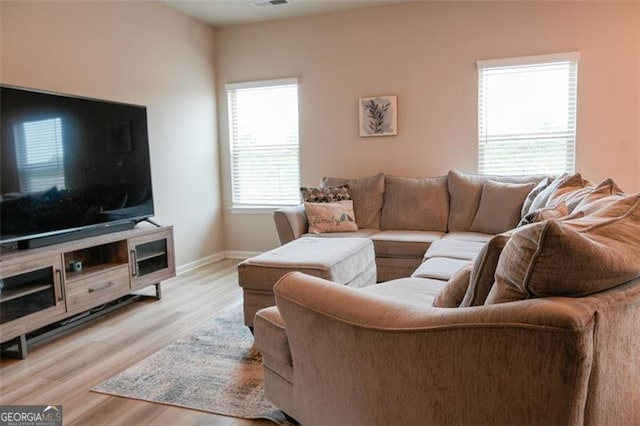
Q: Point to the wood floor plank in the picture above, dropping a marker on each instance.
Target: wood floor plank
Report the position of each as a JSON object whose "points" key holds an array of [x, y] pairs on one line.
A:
{"points": [[65, 368]]}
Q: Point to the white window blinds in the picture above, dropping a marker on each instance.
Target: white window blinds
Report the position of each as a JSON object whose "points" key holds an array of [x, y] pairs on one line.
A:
{"points": [[527, 114], [263, 136]]}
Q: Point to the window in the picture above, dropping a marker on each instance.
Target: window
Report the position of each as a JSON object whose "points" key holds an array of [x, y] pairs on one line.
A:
{"points": [[40, 155], [527, 114], [263, 137]]}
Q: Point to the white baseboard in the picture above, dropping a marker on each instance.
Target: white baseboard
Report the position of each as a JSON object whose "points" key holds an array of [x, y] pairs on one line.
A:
{"points": [[233, 254], [216, 257]]}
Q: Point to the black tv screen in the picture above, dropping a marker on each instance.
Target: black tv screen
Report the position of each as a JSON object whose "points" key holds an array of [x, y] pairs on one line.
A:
{"points": [[70, 164]]}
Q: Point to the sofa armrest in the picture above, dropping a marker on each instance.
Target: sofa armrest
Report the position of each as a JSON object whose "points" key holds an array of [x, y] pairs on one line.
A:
{"points": [[291, 222], [361, 359]]}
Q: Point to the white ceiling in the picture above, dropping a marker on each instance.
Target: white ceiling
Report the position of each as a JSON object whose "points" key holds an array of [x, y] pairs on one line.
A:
{"points": [[231, 12]]}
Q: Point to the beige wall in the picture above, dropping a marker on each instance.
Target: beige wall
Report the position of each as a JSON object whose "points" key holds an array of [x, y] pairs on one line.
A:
{"points": [[425, 52], [142, 53]]}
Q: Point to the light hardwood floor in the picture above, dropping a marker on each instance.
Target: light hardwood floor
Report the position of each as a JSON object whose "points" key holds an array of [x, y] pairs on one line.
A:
{"points": [[62, 370]]}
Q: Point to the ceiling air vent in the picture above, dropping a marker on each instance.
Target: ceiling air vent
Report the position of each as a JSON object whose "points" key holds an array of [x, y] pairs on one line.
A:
{"points": [[269, 3]]}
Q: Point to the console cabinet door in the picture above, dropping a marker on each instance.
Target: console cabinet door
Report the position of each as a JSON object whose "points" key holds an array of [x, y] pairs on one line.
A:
{"points": [[32, 295], [152, 258]]}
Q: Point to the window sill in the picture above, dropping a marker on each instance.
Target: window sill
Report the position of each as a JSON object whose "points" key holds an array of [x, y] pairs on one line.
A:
{"points": [[254, 209]]}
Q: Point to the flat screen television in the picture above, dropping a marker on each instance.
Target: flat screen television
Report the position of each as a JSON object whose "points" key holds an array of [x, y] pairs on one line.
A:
{"points": [[70, 167]]}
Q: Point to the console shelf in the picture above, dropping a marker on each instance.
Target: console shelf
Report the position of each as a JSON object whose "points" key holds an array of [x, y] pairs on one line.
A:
{"points": [[46, 285], [26, 290]]}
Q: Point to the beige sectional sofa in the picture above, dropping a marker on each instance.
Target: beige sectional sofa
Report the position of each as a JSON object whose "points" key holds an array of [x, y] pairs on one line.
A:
{"points": [[534, 325]]}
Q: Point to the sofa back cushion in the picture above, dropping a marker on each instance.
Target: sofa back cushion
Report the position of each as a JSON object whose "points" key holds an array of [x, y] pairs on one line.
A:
{"points": [[367, 194], [465, 191], [500, 206], [571, 258], [415, 204]]}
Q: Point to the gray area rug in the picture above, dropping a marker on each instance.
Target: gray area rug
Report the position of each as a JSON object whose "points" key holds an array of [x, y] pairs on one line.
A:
{"points": [[215, 369]]}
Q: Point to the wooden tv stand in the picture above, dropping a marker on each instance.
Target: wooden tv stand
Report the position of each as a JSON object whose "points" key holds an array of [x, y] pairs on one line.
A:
{"points": [[41, 287]]}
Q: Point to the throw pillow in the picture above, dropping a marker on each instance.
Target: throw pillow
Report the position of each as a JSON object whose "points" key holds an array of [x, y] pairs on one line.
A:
{"points": [[455, 289], [557, 212], [325, 195], [605, 189], [569, 186], [367, 195], [331, 217], [571, 258], [500, 206], [540, 201], [541, 186], [484, 268], [420, 204]]}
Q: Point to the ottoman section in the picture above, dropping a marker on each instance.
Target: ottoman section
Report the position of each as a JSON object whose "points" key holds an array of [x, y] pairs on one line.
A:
{"points": [[348, 261]]}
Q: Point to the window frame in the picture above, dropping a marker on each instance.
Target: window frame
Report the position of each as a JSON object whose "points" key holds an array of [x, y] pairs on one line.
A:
{"points": [[256, 208], [572, 58]]}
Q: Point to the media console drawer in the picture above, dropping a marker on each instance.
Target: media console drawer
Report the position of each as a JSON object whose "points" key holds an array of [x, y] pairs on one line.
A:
{"points": [[96, 289]]}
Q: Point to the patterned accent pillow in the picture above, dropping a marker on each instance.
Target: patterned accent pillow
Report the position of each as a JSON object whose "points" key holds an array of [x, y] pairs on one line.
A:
{"points": [[325, 195], [331, 217]]}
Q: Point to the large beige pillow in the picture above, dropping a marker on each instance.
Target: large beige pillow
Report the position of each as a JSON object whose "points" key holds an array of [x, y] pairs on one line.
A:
{"points": [[453, 292], [602, 195], [419, 204], [367, 194], [500, 206], [571, 258], [331, 217], [570, 198]]}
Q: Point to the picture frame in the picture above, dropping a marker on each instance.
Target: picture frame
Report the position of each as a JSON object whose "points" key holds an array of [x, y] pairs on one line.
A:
{"points": [[378, 116]]}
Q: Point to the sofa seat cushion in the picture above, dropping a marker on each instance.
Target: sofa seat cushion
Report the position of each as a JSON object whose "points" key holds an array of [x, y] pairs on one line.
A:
{"points": [[420, 204], [440, 268], [403, 243], [455, 249], [412, 291], [468, 236], [367, 194], [571, 258]]}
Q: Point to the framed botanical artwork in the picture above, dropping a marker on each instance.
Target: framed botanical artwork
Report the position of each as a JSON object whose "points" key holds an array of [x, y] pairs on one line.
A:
{"points": [[378, 116]]}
